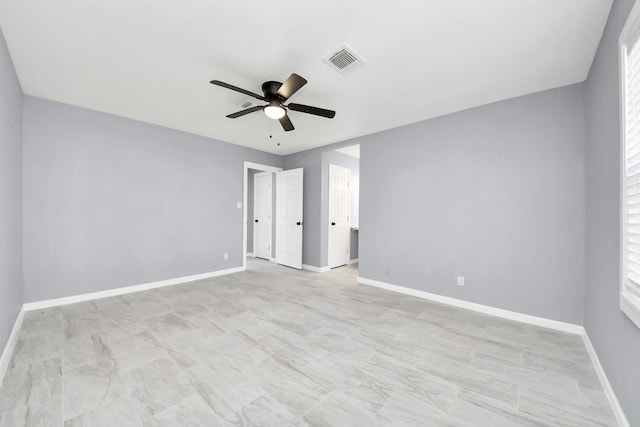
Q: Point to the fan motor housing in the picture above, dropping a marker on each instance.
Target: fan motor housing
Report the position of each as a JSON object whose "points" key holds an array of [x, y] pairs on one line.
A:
{"points": [[270, 90]]}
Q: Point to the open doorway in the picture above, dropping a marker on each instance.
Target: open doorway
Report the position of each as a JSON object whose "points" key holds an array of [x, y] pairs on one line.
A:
{"points": [[343, 199], [260, 223], [266, 240]]}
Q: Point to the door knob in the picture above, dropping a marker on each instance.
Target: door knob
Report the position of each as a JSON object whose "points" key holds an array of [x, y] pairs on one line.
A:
{"points": [[255, 220], [333, 223], [298, 223]]}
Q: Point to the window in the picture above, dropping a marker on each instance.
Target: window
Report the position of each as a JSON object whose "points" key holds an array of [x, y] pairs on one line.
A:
{"points": [[630, 166]]}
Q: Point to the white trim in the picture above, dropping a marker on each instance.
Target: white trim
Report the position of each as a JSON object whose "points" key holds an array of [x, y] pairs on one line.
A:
{"points": [[613, 400], [353, 261], [629, 307], [250, 254], [315, 269], [126, 290], [11, 344], [629, 304], [493, 311], [261, 167], [245, 190]]}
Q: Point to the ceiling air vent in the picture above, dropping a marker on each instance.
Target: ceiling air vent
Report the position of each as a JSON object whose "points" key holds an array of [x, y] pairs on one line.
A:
{"points": [[344, 59], [247, 103]]}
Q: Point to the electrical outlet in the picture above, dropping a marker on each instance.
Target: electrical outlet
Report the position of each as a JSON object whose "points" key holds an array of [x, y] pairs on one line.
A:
{"points": [[460, 280], [225, 256], [386, 269]]}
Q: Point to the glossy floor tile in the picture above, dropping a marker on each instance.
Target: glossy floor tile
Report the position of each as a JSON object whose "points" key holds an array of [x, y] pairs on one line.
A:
{"points": [[273, 346]]}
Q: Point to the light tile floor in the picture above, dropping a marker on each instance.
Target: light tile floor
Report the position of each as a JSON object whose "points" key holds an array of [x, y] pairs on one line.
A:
{"points": [[274, 346]]}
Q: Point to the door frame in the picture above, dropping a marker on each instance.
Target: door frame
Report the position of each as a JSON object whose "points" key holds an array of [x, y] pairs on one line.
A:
{"points": [[270, 175], [245, 191]]}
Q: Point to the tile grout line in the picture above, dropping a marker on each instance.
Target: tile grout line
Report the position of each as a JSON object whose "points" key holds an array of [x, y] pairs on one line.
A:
{"points": [[316, 404]]}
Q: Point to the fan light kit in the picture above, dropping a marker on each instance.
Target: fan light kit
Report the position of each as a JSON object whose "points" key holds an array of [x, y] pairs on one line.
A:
{"points": [[274, 111], [276, 94]]}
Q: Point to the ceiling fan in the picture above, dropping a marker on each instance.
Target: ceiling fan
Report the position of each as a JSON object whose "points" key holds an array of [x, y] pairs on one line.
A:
{"points": [[276, 94]]}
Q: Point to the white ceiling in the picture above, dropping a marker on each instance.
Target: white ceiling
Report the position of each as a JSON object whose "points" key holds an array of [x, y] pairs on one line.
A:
{"points": [[152, 60]]}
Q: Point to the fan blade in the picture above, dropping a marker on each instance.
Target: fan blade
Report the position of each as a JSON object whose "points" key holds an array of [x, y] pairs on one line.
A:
{"points": [[330, 114], [286, 123], [237, 89], [245, 112], [291, 86]]}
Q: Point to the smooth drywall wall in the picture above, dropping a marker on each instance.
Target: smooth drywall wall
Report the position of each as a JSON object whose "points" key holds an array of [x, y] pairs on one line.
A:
{"points": [[615, 338], [354, 244], [10, 194], [494, 194], [111, 202]]}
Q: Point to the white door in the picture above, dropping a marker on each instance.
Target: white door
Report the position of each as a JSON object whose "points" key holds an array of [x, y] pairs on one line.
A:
{"points": [[262, 215], [289, 218], [339, 211]]}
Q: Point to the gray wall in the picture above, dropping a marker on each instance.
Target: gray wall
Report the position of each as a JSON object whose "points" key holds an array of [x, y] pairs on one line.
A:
{"points": [[10, 194], [111, 202], [495, 194], [615, 338], [354, 244]]}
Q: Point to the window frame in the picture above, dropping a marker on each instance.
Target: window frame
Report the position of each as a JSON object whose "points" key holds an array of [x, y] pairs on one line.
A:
{"points": [[629, 38]]}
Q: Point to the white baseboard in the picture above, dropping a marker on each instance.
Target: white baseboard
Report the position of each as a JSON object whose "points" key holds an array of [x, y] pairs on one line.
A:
{"points": [[493, 311], [272, 259], [315, 269], [126, 290], [613, 400], [10, 345], [352, 261]]}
